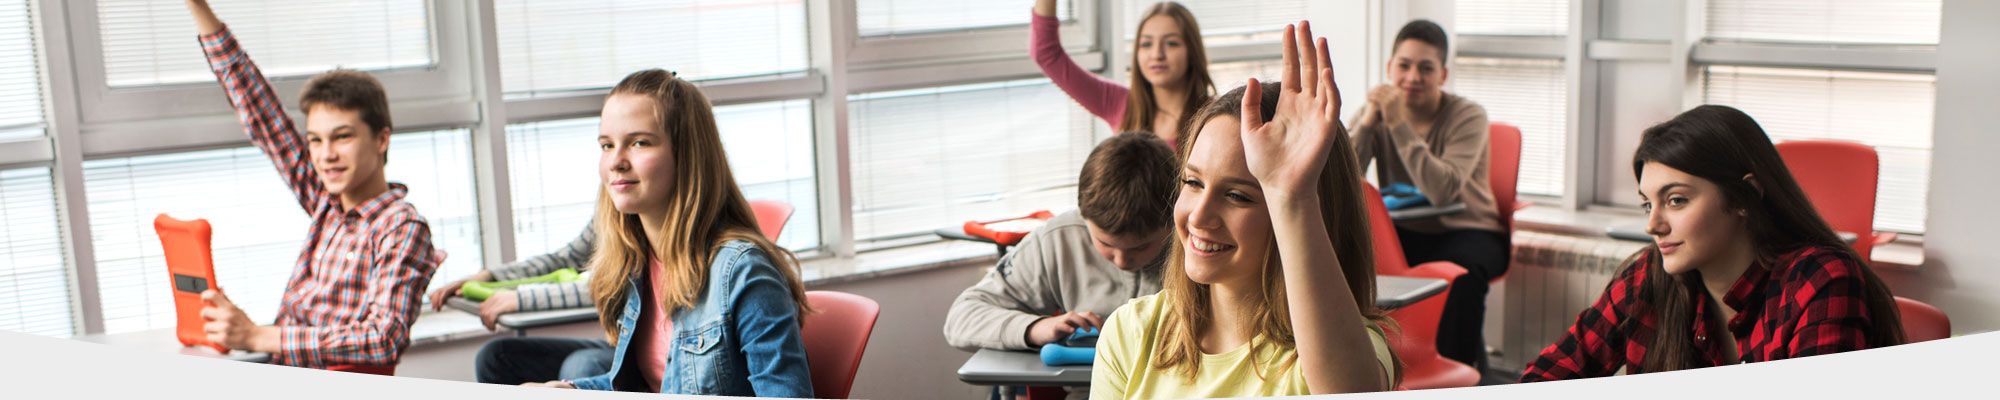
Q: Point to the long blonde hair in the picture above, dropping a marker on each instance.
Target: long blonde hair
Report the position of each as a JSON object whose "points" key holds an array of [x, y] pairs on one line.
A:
{"points": [[1346, 220], [704, 210], [1139, 101]]}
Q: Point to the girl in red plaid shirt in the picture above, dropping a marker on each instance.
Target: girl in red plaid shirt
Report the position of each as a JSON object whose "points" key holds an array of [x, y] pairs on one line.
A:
{"points": [[1742, 268]]}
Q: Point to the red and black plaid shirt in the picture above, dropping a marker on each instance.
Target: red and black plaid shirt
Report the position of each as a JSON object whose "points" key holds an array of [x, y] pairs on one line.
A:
{"points": [[356, 287], [1803, 303]]}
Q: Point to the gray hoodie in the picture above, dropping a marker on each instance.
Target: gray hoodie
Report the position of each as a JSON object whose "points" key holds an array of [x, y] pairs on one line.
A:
{"points": [[1052, 271]]}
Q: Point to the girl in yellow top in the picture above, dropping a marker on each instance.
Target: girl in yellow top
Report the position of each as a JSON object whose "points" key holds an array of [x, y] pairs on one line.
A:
{"points": [[1266, 209]]}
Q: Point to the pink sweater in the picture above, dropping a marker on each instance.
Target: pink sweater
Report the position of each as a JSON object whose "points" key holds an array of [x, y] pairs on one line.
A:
{"points": [[1102, 97]]}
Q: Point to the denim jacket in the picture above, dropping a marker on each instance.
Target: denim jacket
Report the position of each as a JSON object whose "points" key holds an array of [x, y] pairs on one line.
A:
{"points": [[741, 338]]}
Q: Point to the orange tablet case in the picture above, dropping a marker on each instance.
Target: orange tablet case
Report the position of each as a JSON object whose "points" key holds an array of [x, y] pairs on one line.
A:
{"points": [[191, 270], [1003, 238]]}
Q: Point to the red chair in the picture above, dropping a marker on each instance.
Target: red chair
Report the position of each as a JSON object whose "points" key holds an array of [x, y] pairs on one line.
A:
{"points": [[1503, 174], [835, 335], [1839, 178], [771, 216], [1416, 345], [1921, 322]]}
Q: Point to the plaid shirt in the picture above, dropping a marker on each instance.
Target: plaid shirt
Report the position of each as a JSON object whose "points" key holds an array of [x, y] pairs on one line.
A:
{"points": [[356, 287], [1803, 303]]}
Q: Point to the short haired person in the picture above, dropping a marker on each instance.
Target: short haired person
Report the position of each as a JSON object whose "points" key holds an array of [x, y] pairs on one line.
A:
{"points": [[360, 280]]}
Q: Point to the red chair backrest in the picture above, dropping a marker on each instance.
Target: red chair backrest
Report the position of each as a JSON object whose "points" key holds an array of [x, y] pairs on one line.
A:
{"points": [[1503, 169], [835, 335], [771, 216], [1839, 178], [1921, 322], [1382, 232]]}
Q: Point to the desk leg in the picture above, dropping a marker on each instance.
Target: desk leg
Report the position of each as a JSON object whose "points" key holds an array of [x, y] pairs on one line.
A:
{"points": [[1003, 250], [520, 333]]}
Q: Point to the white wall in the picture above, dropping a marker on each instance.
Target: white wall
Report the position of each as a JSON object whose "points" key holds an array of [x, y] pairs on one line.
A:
{"points": [[1961, 273]]}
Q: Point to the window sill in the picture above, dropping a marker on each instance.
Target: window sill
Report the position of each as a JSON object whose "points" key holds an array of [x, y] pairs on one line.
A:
{"points": [[1594, 221]]}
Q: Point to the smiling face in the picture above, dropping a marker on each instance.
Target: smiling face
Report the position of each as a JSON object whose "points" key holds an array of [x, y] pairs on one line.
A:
{"points": [[1161, 52], [637, 163], [1689, 218], [1418, 69], [1220, 217], [346, 152]]}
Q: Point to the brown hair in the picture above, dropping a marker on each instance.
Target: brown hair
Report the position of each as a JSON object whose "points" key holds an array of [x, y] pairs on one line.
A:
{"points": [[705, 210], [1127, 185], [350, 90], [1346, 221], [1139, 102], [1721, 144]]}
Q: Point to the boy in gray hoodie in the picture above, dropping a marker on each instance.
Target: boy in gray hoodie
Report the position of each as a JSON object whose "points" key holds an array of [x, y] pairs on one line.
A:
{"points": [[1082, 264]]}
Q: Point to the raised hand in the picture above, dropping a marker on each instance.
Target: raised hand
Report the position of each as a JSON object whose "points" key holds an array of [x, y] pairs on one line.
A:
{"points": [[1286, 154]]}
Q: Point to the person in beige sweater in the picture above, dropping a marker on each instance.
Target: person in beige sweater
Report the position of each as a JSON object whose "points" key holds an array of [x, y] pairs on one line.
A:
{"points": [[1074, 270], [1416, 133]]}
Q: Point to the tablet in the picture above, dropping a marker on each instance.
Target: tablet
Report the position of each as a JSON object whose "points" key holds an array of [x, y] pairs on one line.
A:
{"points": [[1007, 232], [191, 270]]}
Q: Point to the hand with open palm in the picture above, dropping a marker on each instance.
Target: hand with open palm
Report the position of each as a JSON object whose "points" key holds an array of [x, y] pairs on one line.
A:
{"points": [[1287, 154]]}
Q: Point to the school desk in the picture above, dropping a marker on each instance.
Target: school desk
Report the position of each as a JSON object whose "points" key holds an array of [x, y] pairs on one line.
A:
{"points": [[521, 321], [163, 340], [1421, 212]]}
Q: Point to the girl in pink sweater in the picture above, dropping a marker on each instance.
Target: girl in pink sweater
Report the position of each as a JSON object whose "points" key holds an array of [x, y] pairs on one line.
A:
{"points": [[1171, 64]]}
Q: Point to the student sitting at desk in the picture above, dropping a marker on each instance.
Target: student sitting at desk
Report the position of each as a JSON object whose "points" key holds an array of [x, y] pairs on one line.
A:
{"points": [[1082, 264], [694, 298], [1437, 141], [517, 360], [359, 282], [1742, 268], [1270, 289]]}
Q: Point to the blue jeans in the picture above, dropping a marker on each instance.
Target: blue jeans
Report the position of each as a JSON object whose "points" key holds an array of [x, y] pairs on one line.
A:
{"points": [[517, 360]]}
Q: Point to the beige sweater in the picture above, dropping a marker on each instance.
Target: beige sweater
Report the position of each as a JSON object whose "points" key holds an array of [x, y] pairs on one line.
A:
{"points": [[1052, 271], [1447, 164]]}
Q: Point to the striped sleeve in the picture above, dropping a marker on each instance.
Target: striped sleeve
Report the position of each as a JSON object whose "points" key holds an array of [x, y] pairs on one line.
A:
{"points": [[263, 116], [576, 254]]}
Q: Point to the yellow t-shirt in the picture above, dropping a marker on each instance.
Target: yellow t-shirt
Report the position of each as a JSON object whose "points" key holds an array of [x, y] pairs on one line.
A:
{"points": [[1124, 365]]}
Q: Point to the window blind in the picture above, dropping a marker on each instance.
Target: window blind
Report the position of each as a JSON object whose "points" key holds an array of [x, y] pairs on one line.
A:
{"points": [[936, 157], [1825, 21], [1511, 17], [153, 42], [558, 45], [259, 228], [554, 174], [1890, 111], [20, 72], [34, 281], [1227, 20], [1528, 93], [898, 17]]}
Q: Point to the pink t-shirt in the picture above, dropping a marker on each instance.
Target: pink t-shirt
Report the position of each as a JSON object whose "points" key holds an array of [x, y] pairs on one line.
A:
{"points": [[1100, 96], [652, 340]]}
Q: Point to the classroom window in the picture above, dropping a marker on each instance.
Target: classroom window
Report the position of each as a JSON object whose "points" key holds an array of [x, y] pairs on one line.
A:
{"points": [[1825, 21], [1230, 75], [1227, 21], [20, 73], [1530, 94], [1511, 17], [259, 227], [36, 299], [550, 46], [152, 42], [931, 158], [1889, 111], [902, 17], [554, 172]]}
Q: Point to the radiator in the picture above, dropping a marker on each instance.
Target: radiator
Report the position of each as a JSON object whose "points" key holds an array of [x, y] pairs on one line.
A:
{"points": [[1553, 277]]}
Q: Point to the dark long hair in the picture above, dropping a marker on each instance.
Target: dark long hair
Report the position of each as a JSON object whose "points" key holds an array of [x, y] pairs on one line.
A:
{"points": [[1721, 144]]}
